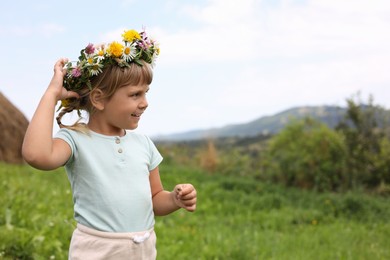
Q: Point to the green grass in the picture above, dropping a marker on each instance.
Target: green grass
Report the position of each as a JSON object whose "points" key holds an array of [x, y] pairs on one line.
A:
{"points": [[236, 218]]}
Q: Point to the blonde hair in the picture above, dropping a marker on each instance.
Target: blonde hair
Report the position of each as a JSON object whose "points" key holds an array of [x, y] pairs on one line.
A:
{"points": [[111, 79]]}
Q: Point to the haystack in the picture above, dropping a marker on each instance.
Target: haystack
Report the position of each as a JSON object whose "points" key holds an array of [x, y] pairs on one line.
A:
{"points": [[13, 125]]}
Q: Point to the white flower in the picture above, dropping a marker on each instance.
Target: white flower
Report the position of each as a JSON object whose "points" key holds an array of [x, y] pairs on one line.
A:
{"points": [[95, 68], [129, 52], [100, 53], [154, 58]]}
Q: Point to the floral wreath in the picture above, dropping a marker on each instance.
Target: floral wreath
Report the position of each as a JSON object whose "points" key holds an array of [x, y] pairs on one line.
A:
{"points": [[93, 59]]}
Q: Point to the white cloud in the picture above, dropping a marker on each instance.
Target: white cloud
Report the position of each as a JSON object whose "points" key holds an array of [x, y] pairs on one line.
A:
{"points": [[46, 30], [126, 3], [353, 6], [223, 12], [257, 90], [226, 31], [50, 29], [247, 31], [287, 54]]}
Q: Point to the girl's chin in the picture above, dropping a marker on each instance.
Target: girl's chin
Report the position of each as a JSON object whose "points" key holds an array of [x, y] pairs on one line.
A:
{"points": [[132, 127]]}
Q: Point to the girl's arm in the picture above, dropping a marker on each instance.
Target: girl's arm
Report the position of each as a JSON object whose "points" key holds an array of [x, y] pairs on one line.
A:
{"points": [[39, 148], [165, 202]]}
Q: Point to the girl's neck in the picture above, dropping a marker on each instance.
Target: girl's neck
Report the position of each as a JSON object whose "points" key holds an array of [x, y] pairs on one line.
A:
{"points": [[106, 130]]}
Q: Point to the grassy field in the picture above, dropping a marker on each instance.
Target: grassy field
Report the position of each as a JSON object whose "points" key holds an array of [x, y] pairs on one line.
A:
{"points": [[237, 218]]}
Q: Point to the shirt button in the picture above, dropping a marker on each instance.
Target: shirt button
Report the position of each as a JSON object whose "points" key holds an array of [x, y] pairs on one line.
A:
{"points": [[117, 140], [120, 150]]}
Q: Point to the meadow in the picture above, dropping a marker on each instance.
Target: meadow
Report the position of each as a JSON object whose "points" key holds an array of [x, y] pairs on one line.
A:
{"points": [[236, 218]]}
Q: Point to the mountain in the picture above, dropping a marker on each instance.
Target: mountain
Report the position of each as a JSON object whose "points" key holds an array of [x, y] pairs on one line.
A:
{"points": [[330, 115]]}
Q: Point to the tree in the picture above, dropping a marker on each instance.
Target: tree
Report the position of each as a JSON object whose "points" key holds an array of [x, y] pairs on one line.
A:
{"points": [[365, 128], [307, 154]]}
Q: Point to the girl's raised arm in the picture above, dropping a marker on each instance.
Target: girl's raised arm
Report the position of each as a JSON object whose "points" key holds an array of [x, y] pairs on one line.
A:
{"points": [[39, 148]]}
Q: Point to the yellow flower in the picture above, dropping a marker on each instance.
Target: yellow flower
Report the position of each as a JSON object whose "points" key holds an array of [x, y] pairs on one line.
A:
{"points": [[131, 35], [115, 49], [65, 102]]}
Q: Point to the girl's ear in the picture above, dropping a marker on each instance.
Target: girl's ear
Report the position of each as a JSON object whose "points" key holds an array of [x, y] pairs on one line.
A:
{"points": [[97, 99]]}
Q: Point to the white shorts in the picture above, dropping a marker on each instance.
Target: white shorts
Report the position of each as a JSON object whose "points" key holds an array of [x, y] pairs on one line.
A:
{"points": [[88, 243]]}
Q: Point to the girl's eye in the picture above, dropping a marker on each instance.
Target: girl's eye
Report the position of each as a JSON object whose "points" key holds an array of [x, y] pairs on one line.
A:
{"points": [[138, 94]]}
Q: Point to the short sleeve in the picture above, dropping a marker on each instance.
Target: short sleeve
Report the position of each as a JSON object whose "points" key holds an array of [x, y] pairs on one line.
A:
{"points": [[155, 156], [66, 135]]}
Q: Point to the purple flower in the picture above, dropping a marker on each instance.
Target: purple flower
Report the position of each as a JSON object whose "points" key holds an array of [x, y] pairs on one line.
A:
{"points": [[90, 49], [76, 72], [145, 42]]}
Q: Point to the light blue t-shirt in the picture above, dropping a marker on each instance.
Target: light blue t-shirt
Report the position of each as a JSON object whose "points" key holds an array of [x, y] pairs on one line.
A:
{"points": [[109, 176]]}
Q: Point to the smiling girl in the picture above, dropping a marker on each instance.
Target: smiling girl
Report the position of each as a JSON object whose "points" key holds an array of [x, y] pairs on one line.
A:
{"points": [[113, 172]]}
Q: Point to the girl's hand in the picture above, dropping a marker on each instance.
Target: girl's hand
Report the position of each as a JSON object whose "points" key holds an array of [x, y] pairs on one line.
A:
{"points": [[185, 196], [56, 83]]}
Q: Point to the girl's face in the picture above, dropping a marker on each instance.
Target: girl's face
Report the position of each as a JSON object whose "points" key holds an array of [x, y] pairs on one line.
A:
{"points": [[124, 109]]}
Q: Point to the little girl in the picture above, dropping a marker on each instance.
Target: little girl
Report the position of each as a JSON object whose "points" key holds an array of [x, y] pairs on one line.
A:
{"points": [[113, 172]]}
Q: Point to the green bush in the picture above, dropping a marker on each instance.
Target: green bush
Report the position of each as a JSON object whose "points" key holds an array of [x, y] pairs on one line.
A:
{"points": [[367, 136], [306, 154]]}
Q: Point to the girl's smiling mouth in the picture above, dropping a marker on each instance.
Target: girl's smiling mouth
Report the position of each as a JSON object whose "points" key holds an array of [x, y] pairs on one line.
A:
{"points": [[136, 115]]}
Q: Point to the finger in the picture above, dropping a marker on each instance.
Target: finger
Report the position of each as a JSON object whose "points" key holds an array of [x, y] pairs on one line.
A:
{"points": [[191, 208], [64, 60], [72, 94], [188, 196], [188, 203], [60, 63], [179, 189], [188, 191], [186, 188]]}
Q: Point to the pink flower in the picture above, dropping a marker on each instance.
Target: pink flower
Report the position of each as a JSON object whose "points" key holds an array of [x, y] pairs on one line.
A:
{"points": [[76, 72], [145, 42], [90, 49]]}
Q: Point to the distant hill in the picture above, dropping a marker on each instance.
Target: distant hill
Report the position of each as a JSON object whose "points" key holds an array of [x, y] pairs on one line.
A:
{"points": [[330, 115]]}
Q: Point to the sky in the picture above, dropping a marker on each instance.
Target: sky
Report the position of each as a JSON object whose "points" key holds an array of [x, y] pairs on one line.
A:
{"points": [[221, 62]]}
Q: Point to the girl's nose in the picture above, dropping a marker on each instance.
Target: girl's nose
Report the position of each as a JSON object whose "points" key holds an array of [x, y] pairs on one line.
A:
{"points": [[144, 103]]}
